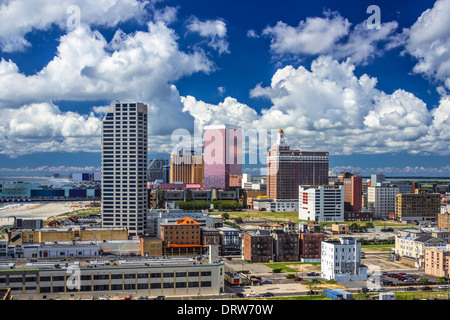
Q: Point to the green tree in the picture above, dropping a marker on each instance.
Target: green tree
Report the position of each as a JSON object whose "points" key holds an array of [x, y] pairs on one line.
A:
{"points": [[370, 225], [225, 215], [354, 227]]}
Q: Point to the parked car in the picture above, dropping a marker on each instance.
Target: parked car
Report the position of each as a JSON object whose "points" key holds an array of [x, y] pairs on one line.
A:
{"points": [[313, 274], [128, 298], [444, 287], [411, 289], [364, 290], [408, 280], [427, 289], [312, 292], [252, 294], [239, 295], [160, 298], [266, 282], [298, 279], [267, 294], [142, 298]]}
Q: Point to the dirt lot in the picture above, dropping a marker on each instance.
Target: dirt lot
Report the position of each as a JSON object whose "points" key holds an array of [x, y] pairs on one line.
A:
{"points": [[380, 262]]}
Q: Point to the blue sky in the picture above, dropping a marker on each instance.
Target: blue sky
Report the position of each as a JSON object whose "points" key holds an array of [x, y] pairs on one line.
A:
{"points": [[376, 99]]}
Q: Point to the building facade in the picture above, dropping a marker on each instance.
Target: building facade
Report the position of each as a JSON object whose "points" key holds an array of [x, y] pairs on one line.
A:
{"points": [[411, 247], [155, 169], [381, 201], [257, 246], [352, 191], [186, 167], [310, 245], [437, 262], [156, 277], [444, 221], [287, 169], [222, 157], [321, 203], [285, 246], [181, 237], [341, 260], [124, 166], [420, 206]]}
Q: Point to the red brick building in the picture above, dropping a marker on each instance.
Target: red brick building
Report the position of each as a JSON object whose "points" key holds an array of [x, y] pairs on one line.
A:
{"points": [[181, 237], [310, 246], [353, 191], [287, 169], [258, 246], [285, 246]]}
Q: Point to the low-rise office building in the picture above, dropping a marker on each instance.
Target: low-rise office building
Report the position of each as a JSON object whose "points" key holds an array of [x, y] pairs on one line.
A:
{"points": [[22, 236], [152, 277]]}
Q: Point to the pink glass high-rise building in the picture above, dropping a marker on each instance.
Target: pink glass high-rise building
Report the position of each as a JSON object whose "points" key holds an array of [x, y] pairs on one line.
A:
{"points": [[222, 156]]}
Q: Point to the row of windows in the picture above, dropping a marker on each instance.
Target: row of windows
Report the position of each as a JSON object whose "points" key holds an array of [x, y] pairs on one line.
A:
{"points": [[132, 286]]}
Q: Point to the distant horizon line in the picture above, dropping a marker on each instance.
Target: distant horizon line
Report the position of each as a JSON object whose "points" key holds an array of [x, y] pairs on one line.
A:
{"points": [[63, 175]]}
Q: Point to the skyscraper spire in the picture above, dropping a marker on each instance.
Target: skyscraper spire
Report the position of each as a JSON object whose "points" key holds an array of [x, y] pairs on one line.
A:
{"points": [[280, 139]]}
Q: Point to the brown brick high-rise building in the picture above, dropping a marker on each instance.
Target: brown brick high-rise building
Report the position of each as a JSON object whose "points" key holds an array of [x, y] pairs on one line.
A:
{"points": [[353, 189], [287, 169], [187, 167]]}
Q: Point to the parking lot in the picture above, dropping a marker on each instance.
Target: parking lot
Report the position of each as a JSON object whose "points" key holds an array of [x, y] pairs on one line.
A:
{"points": [[383, 275]]}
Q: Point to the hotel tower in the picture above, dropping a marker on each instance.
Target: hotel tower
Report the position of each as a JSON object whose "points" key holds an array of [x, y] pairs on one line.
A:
{"points": [[124, 167]]}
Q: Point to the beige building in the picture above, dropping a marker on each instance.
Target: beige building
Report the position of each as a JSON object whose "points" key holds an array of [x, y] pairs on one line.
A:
{"points": [[437, 261], [151, 277], [412, 247], [22, 236], [422, 206], [444, 221], [151, 246], [337, 228]]}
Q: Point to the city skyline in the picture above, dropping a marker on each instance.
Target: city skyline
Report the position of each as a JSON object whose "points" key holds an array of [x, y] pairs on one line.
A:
{"points": [[376, 99]]}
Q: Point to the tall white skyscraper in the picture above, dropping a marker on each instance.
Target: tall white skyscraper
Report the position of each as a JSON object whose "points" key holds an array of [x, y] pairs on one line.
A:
{"points": [[124, 166]]}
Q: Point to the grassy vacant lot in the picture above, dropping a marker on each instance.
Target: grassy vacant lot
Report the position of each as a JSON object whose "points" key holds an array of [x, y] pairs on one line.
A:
{"points": [[294, 266], [280, 216], [378, 247], [406, 295], [245, 215]]}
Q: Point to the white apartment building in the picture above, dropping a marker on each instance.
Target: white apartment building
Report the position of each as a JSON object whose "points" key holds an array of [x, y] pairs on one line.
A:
{"points": [[381, 201], [321, 203], [341, 260], [124, 167]]}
